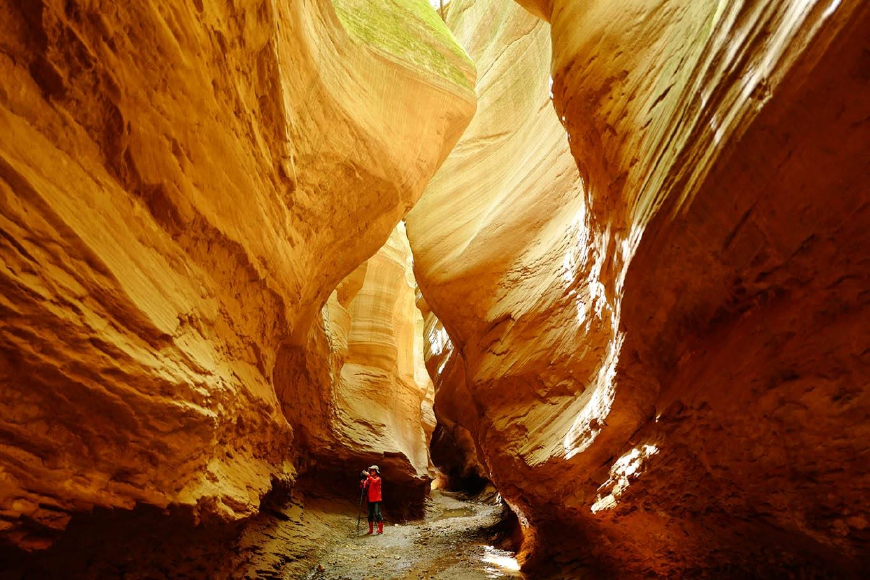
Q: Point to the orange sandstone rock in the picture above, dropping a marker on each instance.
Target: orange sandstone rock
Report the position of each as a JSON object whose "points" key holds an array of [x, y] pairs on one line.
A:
{"points": [[361, 382], [664, 353], [182, 186]]}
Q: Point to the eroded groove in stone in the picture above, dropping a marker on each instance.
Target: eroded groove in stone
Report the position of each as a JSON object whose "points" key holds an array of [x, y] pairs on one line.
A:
{"points": [[642, 288], [653, 354], [359, 389], [182, 185]]}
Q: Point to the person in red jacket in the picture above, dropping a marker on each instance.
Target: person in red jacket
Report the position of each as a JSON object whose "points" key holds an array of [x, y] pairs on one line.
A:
{"points": [[372, 485]]}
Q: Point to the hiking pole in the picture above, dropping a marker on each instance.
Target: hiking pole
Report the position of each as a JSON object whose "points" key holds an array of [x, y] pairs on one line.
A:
{"points": [[359, 510]]}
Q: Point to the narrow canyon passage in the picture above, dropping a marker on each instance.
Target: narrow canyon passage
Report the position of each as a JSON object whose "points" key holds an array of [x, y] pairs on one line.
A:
{"points": [[582, 285], [455, 540]]}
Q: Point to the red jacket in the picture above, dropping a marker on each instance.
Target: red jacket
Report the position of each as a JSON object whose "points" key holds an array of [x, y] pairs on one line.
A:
{"points": [[373, 485]]}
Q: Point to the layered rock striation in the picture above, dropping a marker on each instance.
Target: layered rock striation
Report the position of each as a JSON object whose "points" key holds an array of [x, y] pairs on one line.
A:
{"points": [[662, 356], [182, 186], [361, 384]]}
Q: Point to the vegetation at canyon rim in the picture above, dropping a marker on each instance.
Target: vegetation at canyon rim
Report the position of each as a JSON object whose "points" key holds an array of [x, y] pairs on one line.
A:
{"points": [[410, 30]]}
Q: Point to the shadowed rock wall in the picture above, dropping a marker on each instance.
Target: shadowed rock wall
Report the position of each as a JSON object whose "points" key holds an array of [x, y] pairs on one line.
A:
{"points": [[453, 448], [664, 355], [182, 185]]}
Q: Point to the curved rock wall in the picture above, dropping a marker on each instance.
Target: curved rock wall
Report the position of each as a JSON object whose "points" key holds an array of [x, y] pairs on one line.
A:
{"points": [[182, 185], [492, 240], [452, 446], [384, 382], [368, 381], [663, 353]]}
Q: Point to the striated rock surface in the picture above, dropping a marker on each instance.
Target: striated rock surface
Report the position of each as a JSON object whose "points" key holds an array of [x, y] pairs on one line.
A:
{"points": [[491, 237], [361, 384], [182, 186], [664, 355]]}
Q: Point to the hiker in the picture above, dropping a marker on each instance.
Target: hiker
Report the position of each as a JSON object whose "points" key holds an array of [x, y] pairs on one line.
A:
{"points": [[372, 485]]}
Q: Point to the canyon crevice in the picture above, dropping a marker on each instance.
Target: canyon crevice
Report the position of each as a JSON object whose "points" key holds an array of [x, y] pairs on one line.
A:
{"points": [[358, 389], [183, 186], [609, 257]]}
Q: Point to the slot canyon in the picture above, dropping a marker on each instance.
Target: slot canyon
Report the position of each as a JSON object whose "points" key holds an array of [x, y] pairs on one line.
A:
{"points": [[588, 281]]}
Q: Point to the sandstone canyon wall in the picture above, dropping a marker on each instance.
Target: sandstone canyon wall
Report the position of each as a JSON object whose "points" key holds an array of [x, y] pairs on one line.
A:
{"points": [[662, 358], [360, 386], [383, 361], [497, 206], [182, 186], [453, 447]]}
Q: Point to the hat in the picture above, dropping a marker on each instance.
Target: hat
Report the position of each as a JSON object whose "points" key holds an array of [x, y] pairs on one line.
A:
{"points": [[375, 467]]}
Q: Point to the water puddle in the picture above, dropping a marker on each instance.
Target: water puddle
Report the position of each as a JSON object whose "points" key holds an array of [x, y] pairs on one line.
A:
{"points": [[462, 512], [500, 563]]}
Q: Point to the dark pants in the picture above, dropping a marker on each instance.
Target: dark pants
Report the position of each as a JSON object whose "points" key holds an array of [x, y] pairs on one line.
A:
{"points": [[375, 511]]}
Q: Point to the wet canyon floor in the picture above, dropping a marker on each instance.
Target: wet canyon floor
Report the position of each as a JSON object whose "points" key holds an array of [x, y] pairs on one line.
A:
{"points": [[458, 539], [295, 536]]}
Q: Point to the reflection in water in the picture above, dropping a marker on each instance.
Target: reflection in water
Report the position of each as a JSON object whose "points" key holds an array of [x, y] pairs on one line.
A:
{"points": [[500, 564]]}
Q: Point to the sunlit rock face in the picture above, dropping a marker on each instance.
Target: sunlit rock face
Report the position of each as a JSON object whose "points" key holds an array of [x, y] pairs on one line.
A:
{"points": [[665, 354], [492, 234], [496, 239], [361, 384], [182, 186]]}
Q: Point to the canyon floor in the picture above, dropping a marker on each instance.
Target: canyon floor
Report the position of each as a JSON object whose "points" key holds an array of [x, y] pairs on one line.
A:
{"points": [[291, 539], [457, 539]]}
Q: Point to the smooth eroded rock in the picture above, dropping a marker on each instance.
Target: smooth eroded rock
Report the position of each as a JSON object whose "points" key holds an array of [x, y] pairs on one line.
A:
{"points": [[664, 354], [360, 386], [182, 185]]}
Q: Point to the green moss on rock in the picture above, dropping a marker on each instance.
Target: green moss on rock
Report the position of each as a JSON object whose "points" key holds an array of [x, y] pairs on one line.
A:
{"points": [[411, 31]]}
